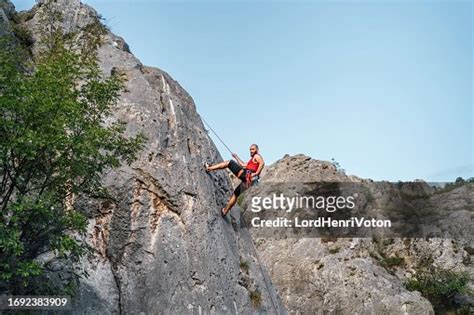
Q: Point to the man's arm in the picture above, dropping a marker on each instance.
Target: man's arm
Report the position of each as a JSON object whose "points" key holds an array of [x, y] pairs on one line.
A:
{"points": [[261, 164], [236, 157]]}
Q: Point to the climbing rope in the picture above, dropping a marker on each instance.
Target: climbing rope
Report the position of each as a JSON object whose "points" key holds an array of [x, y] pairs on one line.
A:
{"points": [[222, 141], [245, 226]]}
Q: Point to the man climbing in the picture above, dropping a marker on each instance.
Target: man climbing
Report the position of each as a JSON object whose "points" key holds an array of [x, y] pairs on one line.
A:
{"points": [[248, 173]]}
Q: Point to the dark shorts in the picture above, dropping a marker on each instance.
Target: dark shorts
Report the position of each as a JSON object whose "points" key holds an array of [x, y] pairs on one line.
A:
{"points": [[235, 169], [240, 189]]}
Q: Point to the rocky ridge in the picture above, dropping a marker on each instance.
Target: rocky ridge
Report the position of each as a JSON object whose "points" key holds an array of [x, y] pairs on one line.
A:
{"points": [[363, 275]]}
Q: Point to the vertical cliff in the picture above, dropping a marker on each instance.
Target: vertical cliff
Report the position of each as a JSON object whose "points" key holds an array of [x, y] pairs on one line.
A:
{"points": [[161, 245]]}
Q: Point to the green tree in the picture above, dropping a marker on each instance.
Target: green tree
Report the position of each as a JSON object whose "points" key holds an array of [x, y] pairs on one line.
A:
{"points": [[54, 146], [439, 286]]}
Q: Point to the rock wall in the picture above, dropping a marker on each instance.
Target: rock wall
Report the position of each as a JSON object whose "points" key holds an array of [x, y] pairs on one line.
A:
{"points": [[161, 244]]}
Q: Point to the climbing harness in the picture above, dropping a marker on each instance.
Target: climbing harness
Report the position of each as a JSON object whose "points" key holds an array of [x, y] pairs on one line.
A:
{"points": [[249, 180]]}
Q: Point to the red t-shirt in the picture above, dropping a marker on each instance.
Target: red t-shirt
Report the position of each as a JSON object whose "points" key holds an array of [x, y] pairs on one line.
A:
{"points": [[251, 165]]}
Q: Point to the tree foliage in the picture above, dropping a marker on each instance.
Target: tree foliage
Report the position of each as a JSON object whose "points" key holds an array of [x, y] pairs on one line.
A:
{"points": [[55, 145], [439, 286]]}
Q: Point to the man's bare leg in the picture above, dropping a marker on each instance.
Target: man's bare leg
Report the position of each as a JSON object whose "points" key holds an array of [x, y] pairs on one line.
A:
{"points": [[230, 204], [218, 166]]}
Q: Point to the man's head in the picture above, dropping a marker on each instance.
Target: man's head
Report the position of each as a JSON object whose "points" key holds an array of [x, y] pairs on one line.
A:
{"points": [[253, 149]]}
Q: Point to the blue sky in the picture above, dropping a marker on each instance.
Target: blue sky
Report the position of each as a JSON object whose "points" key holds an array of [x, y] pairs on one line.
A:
{"points": [[384, 87]]}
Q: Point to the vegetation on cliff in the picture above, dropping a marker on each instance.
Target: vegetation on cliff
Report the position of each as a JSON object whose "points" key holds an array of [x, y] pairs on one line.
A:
{"points": [[54, 146]]}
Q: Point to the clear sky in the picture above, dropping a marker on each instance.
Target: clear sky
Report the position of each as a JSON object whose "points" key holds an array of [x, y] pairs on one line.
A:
{"points": [[384, 87]]}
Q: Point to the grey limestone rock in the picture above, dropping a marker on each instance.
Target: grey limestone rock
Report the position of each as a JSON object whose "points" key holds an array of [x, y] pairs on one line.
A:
{"points": [[161, 244]]}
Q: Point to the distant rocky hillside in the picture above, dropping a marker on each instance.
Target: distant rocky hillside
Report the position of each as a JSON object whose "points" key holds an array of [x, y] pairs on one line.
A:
{"points": [[365, 275]]}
